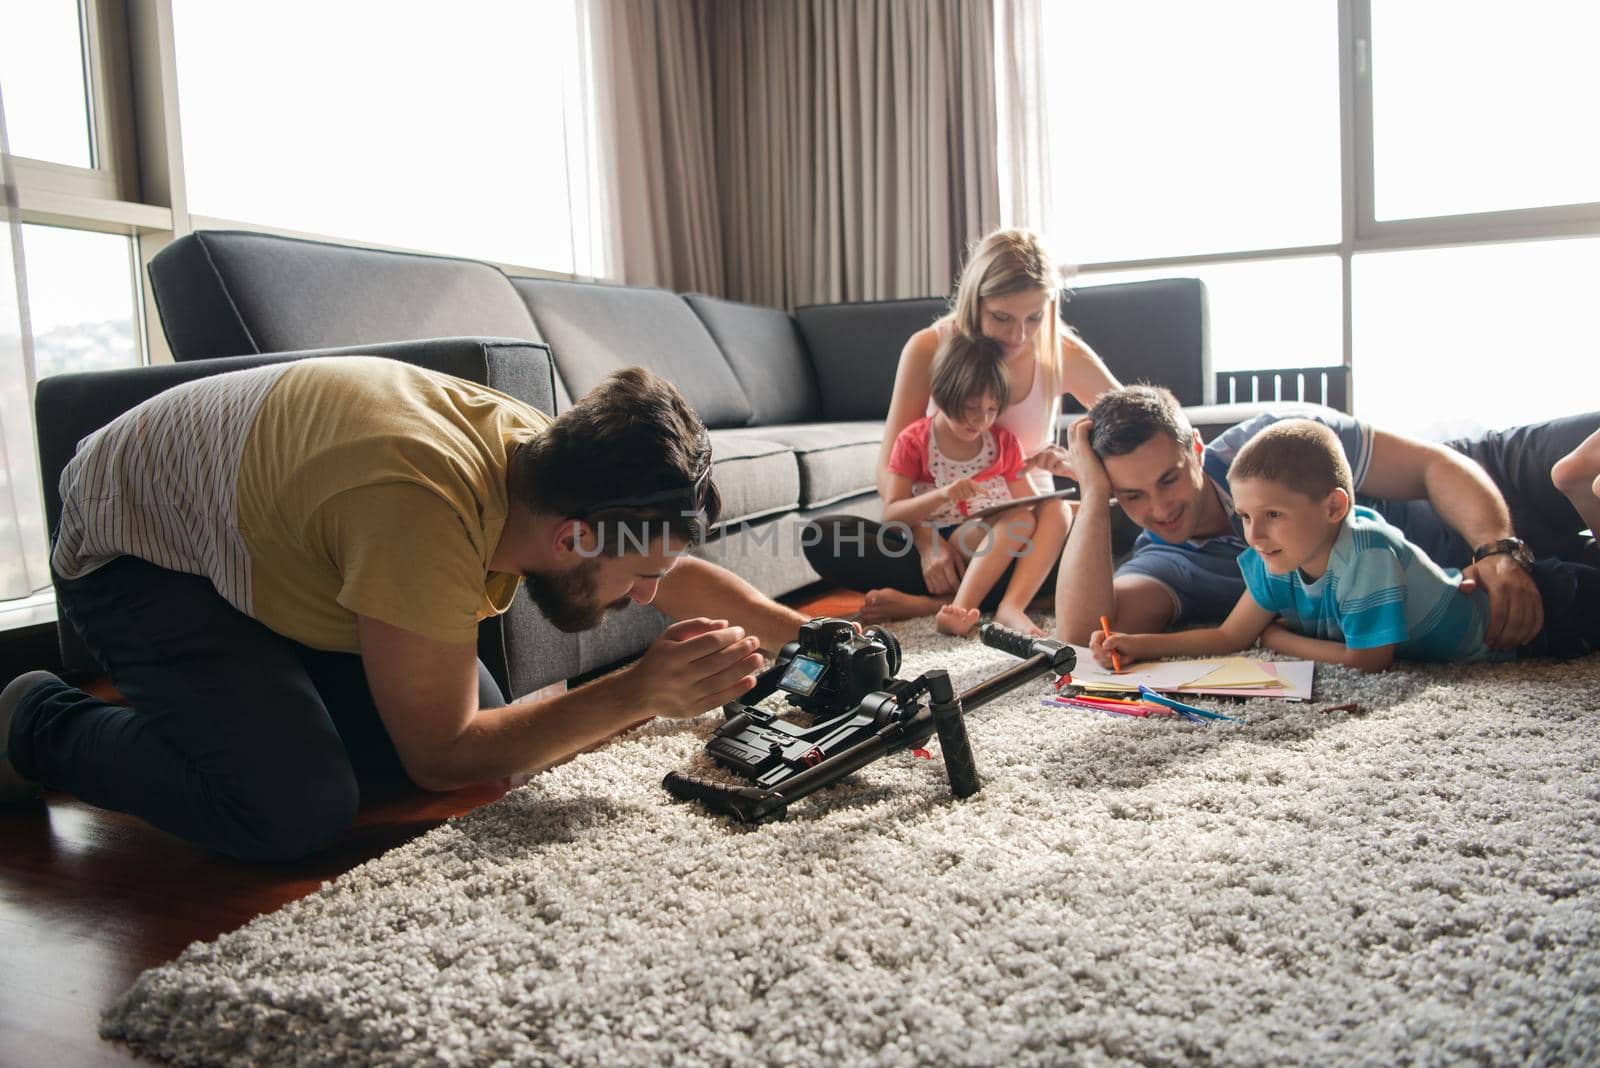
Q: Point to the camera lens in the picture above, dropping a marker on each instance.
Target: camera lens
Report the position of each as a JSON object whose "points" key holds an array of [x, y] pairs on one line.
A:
{"points": [[887, 639]]}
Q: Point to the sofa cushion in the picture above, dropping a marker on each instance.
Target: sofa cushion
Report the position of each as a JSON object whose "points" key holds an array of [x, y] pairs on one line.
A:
{"points": [[595, 329], [755, 478], [763, 347], [855, 349], [835, 460], [231, 293]]}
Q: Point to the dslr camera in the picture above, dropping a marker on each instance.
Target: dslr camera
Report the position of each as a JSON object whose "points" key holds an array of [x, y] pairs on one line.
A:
{"points": [[830, 667]]}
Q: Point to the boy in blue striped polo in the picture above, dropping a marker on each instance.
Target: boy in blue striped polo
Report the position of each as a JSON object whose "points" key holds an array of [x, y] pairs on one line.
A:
{"points": [[1331, 581]]}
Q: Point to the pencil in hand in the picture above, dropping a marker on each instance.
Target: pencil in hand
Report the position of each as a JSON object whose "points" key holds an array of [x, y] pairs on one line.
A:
{"points": [[1105, 628]]}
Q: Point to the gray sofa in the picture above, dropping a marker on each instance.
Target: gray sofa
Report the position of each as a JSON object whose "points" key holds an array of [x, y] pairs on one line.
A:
{"points": [[794, 403]]}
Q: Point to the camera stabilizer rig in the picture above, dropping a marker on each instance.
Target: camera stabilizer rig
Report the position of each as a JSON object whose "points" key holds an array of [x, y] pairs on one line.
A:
{"points": [[860, 712]]}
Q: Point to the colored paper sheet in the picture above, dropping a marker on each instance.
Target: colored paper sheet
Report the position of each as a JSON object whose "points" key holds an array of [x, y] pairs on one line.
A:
{"points": [[1237, 671], [1285, 679]]}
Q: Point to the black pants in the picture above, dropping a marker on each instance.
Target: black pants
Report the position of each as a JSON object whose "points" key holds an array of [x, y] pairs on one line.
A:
{"points": [[861, 554], [235, 737], [1518, 461], [1570, 594], [864, 554]]}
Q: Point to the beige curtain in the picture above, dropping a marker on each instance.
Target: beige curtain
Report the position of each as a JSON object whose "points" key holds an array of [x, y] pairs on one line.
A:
{"points": [[796, 151], [656, 116], [855, 145], [1022, 103]]}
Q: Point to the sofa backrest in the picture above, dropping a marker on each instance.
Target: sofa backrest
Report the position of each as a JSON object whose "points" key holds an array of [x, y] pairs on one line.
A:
{"points": [[1152, 332], [856, 347], [769, 359], [594, 329], [233, 293]]}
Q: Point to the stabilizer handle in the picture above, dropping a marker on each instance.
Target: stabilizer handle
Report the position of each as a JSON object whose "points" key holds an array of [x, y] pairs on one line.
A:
{"points": [[1060, 656], [952, 730], [749, 804]]}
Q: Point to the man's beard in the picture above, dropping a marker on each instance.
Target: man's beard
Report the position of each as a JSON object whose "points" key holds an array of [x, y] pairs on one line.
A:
{"points": [[568, 598]]}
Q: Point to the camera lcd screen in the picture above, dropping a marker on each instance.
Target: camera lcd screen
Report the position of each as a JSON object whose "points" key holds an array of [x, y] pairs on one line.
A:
{"points": [[803, 675]]}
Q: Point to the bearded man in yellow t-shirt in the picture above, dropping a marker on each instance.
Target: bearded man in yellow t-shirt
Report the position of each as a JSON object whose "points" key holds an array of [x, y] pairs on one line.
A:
{"points": [[283, 570]]}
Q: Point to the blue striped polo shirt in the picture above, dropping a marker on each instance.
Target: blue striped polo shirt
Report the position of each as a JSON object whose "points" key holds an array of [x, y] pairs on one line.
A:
{"points": [[1379, 589]]}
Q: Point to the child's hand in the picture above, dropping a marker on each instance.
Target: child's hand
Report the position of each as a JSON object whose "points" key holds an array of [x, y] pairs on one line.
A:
{"points": [[1128, 647], [962, 489]]}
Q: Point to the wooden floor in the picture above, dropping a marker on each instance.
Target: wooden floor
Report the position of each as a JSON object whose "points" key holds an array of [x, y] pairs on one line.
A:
{"points": [[89, 899]]}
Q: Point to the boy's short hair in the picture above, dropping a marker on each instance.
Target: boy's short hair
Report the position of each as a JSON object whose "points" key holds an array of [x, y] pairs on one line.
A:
{"points": [[966, 369], [1126, 418], [1300, 454]]}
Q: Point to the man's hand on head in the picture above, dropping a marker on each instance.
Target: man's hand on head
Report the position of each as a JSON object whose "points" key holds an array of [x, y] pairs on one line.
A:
{"points": [[696, 665], [1093, 482], [1516, 613]]}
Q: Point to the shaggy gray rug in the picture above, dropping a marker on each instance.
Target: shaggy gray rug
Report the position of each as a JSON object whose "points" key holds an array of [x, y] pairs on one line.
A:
{"points": [[1417, 882]]}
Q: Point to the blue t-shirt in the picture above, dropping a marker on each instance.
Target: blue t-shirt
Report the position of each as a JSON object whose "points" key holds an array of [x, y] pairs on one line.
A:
{"points": [[1202, 575], [1379, 589]]}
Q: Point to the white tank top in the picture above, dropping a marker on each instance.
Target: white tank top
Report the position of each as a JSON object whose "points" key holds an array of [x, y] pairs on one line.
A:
{"points": [[1032, 419]]}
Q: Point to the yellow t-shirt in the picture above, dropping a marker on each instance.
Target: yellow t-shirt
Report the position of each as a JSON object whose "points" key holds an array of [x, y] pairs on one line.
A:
{"points": [[371, 487]]}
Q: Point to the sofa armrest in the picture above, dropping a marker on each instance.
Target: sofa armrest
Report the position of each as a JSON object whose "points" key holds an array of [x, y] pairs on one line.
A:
{"points": [[70, 407]]}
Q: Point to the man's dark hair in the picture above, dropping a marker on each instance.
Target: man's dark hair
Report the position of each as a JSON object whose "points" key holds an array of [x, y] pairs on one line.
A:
{"points": [[1126, 418], [1300, 454], [630, 458], [966, 369]]}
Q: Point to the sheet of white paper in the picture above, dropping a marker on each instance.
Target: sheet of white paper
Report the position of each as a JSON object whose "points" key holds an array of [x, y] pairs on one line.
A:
{"points": [[1170, 676]]}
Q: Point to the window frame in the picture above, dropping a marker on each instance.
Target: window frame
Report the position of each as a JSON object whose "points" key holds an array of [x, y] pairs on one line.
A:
{"points": [[1361, 231]]}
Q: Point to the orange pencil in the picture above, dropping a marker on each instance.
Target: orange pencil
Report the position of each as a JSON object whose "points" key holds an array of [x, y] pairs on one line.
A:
{"points": [[1105, 628]]}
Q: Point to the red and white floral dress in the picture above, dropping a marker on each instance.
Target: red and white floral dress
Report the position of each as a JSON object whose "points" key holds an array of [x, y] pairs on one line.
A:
{"points": [[916, 456]]}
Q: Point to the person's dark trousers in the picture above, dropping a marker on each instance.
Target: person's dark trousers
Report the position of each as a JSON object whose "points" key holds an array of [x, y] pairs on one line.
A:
{"points": [[235, 737], [864, 554], [1518, 461], [1570, 594]]}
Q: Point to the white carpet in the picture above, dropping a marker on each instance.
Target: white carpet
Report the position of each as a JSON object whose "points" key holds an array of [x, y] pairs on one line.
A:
{"points": [[1416, 884]]}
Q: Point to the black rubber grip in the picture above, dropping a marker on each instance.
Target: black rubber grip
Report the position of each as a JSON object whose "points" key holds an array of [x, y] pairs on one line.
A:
{"points": [[1007, 640], [1062, 658], [741, 802], [951, 727]]}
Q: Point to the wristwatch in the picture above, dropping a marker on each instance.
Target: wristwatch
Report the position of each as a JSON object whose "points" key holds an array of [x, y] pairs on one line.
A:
{"points": [[1515, 548]]}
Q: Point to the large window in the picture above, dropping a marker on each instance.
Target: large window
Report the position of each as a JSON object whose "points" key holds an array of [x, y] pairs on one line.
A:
{"points": [[1479, 107], [47, 105], [1402, 186], [392, 122], [464, 129], [1185, 128], [1262, 313], [81, 300], [1461, 339]]}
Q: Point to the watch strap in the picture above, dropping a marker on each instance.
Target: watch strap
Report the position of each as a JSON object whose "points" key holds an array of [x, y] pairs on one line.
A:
{"points": [[1515, 548]]}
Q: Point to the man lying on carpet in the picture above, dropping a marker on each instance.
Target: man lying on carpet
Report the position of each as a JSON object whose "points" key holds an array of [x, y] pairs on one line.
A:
{"points": [[1328, 580], [283, 569], [1137, 445]]}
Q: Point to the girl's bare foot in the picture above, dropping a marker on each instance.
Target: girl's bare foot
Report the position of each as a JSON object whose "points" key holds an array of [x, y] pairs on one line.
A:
{"points": [[956, 621], [884, 605], [1017, 620]]}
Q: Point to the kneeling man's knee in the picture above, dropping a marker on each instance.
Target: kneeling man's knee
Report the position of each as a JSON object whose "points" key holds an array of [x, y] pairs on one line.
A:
{"points": [[298, 817]]}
